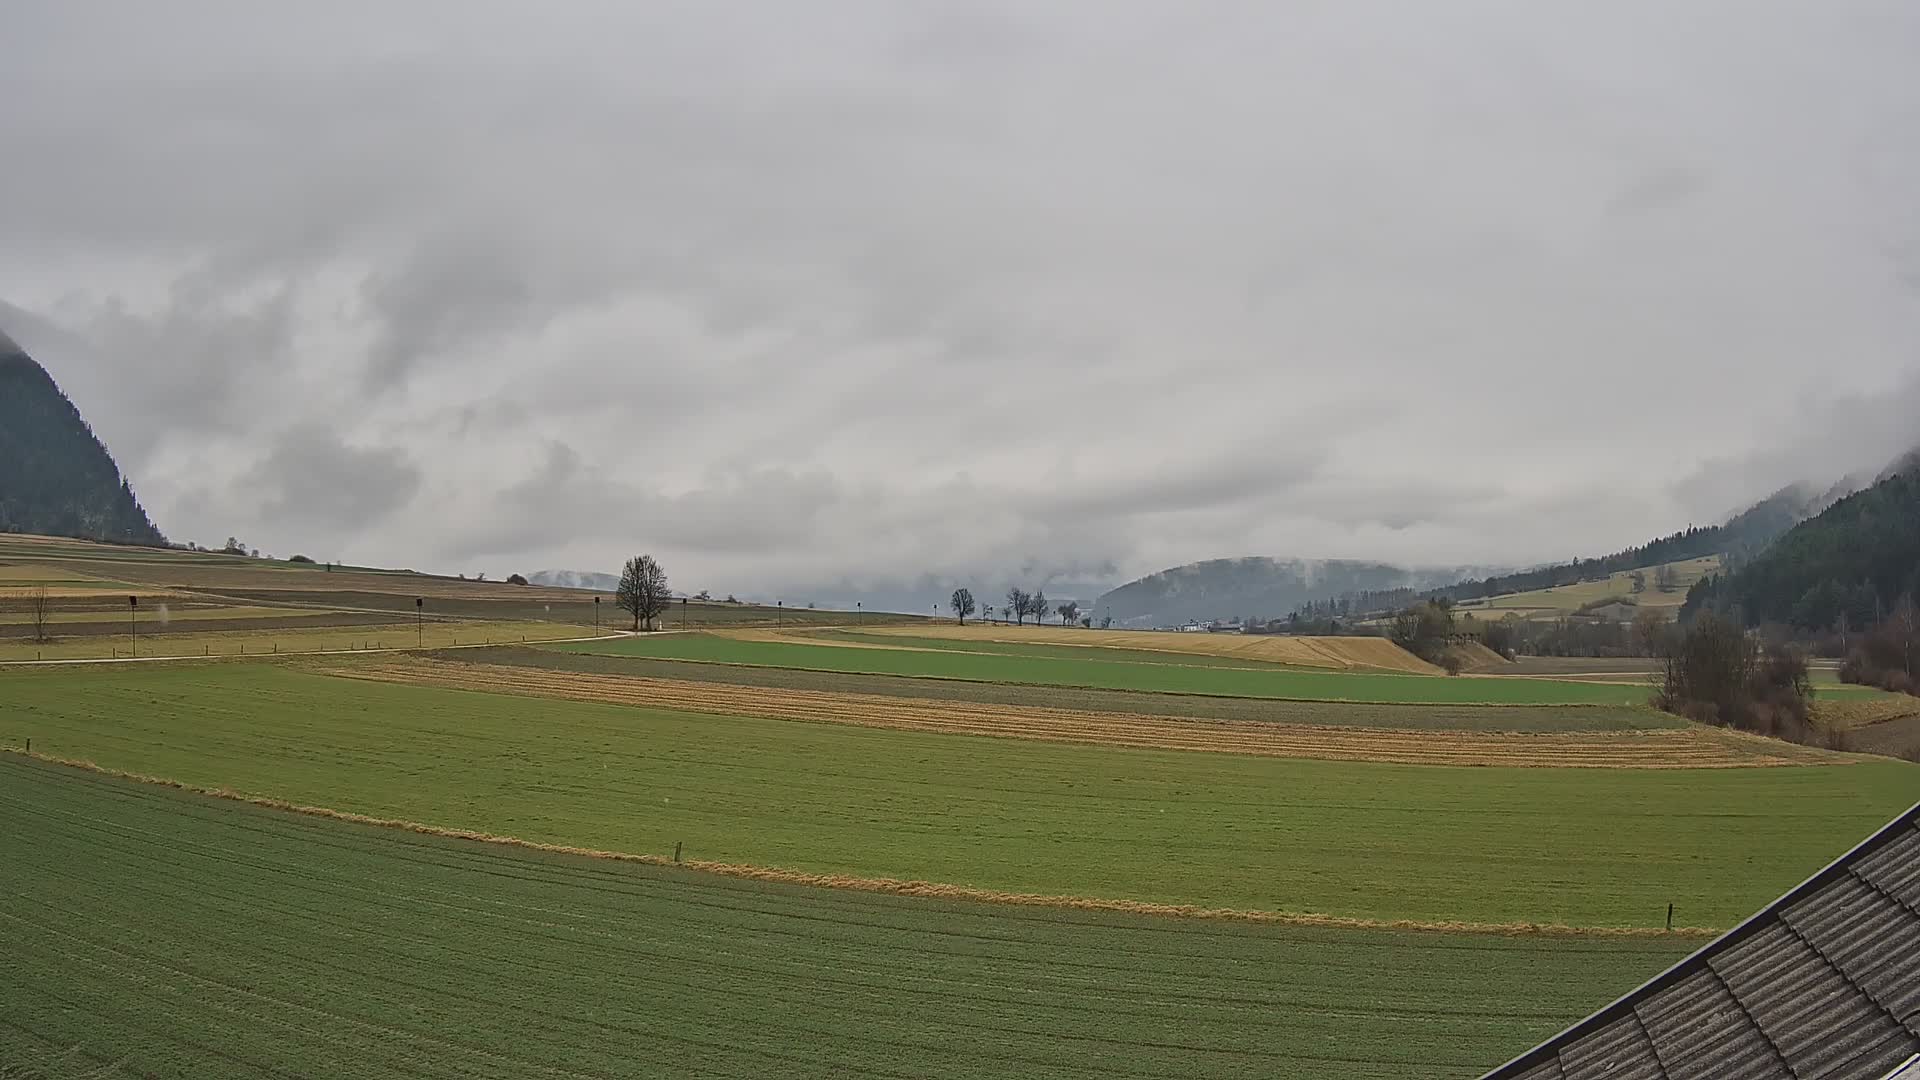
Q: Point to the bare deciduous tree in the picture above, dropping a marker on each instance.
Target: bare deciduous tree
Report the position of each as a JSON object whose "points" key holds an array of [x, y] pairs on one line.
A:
{"points": [[962, 604], [1019, 603], [1037, 606], [1069, 612], [643, 591], [39, 612]]}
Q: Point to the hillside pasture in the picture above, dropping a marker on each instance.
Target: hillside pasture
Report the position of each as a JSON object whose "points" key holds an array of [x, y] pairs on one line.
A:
{"points": [[1565, 600], [1093, 671], [269, 637], [158, 933], [1435, 844], [176, 573]]}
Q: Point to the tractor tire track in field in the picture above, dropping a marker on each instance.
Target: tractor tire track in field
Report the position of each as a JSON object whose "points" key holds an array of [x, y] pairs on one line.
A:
{"points": [[1670, 748]]}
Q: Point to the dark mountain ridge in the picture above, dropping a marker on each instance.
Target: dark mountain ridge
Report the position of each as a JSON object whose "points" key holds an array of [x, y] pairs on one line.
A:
{"points": [[56, 477], [1856, 559]]}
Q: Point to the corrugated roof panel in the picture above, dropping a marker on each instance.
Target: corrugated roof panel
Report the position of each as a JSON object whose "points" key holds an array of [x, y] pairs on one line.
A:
{"points": [[1803, 1004], [1616, 1052], [1698, 1029], [1546, 1070], [1870, 936], [1896, 867], [1875, 1061]]}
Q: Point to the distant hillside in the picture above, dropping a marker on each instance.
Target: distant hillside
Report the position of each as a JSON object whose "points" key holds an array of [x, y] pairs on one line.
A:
{"points": [[55, 476], [1255, 587], [1342, 589], [575, 579], [1743, 536], [1856, 558]]}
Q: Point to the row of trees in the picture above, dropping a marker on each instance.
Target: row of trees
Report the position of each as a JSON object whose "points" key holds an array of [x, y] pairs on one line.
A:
{"points": [[1020, 604]]}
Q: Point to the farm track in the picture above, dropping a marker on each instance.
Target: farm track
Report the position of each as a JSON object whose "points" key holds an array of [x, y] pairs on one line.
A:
{"points": [[1654, 749]]}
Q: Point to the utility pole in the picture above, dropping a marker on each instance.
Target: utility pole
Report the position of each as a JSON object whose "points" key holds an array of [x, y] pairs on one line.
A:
{"points": [[133, 624], [596, 616], [683, 613], [419, 625], [859, 613], [779, 608]]}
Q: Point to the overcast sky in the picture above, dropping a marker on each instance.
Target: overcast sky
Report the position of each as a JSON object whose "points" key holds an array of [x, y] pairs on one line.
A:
{"points": [[789, 293]]}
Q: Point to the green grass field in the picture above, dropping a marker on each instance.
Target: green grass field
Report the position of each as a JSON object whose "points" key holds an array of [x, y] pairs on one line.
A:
{"points": [[174, 935], [1587, 847], [1085, 668], [1516, 718], [1041, 651]]}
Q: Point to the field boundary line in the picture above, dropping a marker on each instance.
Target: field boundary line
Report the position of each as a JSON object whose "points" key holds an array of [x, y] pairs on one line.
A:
{"points": [[1085, 686], [616, 636], [930, 890], [1647, 749]]}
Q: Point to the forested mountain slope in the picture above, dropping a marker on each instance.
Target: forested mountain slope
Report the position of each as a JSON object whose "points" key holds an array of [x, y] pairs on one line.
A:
{"points": [[56, 478]]}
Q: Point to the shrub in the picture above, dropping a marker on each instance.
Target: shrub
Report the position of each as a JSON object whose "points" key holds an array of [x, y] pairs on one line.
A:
{"points": [[516, 579], [1715, 674], [298, 558]]}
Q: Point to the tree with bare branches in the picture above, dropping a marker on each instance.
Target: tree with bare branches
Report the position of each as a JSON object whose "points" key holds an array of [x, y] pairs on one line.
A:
{"points": [[39, 612], [1019, 603], [643, 591]]}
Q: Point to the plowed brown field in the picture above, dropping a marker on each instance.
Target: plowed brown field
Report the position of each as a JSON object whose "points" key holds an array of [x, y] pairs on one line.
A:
{"points": [[1693, 747]]}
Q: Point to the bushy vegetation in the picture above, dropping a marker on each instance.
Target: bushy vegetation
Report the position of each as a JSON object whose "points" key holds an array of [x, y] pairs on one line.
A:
{"points": [[1886, 656], [1714, 672], [1426, 631]]}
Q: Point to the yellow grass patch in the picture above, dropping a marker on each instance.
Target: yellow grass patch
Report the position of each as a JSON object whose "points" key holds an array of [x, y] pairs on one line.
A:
{"points": [[1336, 653], [180, 640], [1664, 748], [1863, 711], [892, 886]]}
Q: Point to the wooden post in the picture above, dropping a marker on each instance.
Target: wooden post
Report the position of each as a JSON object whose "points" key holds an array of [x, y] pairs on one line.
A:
{"points": [[676, 845], [29, 746], [1669, 916]]}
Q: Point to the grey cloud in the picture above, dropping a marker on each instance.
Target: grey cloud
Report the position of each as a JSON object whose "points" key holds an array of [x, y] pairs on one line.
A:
{"points": [[311, 480], [947, 288]]}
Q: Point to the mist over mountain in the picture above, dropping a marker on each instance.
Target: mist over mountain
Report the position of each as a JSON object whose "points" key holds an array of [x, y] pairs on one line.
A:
{"points": [[1259, 587], [575, 579], [56, 477]]}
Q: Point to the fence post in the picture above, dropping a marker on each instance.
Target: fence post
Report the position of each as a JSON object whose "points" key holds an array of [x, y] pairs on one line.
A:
{"points": [[1669, 916], [676, 851]]}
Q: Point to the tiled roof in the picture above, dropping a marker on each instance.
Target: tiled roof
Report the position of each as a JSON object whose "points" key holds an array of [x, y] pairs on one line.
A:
{"points": [[1824, 984]]}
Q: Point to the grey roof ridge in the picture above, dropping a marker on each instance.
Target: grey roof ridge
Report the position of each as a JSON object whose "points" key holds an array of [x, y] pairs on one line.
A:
{"points": [[1624, 1004]]}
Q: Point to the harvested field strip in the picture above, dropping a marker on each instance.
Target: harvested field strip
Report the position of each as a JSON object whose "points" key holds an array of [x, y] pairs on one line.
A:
{"points": [[1508, 718], [1322, 652], [274, 637], [1274, 682], [1353, 840], [1861, 712], [1663, 749], [183, 936]]}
